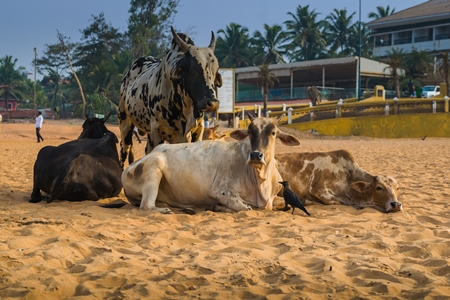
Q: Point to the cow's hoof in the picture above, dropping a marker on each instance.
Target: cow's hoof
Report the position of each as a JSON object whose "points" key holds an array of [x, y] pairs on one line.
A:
{"points": [[35, 200], [189, 211]]}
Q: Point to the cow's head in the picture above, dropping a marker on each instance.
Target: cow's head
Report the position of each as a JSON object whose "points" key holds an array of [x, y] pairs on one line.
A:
{"points": [[211, 134], [199, 72], [382, 191], [94, 128], [263, 133]]}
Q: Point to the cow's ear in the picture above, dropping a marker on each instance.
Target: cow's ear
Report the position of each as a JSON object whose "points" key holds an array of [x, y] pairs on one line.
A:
{"points": [[239, 134], [218, 81], [288, 139], [360, 186]]}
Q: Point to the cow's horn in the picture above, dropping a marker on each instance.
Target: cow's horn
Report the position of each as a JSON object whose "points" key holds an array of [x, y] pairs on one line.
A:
{"points": [[106, 117], [212, 44], [250, 116], [182, 44]]}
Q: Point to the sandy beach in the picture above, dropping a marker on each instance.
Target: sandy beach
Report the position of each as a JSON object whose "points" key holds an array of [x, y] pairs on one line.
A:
{"points": [[74, 250]]}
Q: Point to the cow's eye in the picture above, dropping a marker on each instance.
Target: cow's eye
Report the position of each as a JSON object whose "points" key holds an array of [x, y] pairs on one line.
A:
{"points": [[379, 188], [273, 133]]}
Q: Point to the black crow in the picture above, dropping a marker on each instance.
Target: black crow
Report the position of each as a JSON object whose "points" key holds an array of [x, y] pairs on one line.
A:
{"points": [[291, 198]]}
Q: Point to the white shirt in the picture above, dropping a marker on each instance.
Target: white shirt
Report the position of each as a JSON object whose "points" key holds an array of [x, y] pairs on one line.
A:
{"points": [[39, 121]]}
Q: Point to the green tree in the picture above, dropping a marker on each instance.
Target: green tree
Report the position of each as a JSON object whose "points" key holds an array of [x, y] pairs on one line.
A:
{"points": [[148, 26], [12, 80], [41, 97], [96, 103], [418, 63], [381, 12], [269, 45], [99, 41], [396, 62], [338, 30], [233, 48], [52, 65], [266, 79], [305, 34], [366, 41]]}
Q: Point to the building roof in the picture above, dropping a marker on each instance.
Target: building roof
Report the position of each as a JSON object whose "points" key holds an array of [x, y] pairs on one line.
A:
{"points": [[342, 69], [431, 10]]}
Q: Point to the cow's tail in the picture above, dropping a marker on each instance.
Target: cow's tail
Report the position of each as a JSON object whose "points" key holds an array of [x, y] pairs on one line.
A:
{"points": [[115, 205]]}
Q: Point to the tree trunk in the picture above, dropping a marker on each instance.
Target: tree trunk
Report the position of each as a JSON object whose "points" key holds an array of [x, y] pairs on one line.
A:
{"points": [[266, 98], [6, 98], [61, 39]]}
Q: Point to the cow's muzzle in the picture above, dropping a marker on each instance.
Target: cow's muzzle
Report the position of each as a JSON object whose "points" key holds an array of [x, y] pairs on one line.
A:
{"points": [[212, 105], [256, 159], [394, 206]]}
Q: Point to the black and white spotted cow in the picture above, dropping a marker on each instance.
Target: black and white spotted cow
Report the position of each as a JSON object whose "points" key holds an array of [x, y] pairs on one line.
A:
{"points": [[166, 98]]}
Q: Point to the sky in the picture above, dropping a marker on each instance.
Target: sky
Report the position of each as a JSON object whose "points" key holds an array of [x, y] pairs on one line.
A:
{"points": [[26, 24]]}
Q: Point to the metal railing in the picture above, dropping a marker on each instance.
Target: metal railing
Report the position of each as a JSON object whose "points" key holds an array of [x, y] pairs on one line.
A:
{"points": [[326, 93]]}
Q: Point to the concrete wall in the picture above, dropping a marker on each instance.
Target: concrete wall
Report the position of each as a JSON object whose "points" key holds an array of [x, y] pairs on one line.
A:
{"points": [[392, 126]]}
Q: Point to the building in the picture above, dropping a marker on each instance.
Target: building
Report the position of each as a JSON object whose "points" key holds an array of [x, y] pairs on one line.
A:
{"points": [[12, 104], [336, 77], [424, 27]]}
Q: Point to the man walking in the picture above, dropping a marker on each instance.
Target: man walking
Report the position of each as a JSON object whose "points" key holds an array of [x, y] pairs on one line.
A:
{"points": [[39, 121]]}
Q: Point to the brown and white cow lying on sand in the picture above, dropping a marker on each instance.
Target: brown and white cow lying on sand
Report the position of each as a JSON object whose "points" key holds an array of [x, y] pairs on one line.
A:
{"points": [[230, 176], [334, 177]]}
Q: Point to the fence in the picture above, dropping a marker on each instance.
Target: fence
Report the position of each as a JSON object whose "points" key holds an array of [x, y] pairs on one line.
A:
{"points": [[326, 93]]}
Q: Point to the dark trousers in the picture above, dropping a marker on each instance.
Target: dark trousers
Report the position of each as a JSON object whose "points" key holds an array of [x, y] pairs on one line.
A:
{"points": [[38, 135], [137, 136]]}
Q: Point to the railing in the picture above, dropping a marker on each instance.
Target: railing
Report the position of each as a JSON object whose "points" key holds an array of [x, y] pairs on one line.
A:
{"points": [[352, 108], [402, 41], [384, 43], [326, 93], [443, 36], [423, 39]]}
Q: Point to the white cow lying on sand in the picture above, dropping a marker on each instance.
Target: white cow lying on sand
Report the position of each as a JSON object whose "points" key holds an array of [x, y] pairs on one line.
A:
{"points": [[334, 177], [234, 175]]}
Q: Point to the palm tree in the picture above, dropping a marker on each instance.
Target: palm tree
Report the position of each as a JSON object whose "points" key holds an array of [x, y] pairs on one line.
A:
{"points": [[366, 41], [444, 66], [396, 62], [268, 45], [418, 63], [338, 30], [381, 12], [266, 80], [233, 49], [305, 34], [12, 80]]}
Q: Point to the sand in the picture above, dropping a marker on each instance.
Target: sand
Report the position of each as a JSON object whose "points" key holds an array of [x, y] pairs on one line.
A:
{"points": [[80, 250]]}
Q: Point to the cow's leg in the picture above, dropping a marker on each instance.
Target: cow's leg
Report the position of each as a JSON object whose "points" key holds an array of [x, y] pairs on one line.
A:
{"points": [[126, 143], [126, 135], [154, 139], [230, 200], [150, 187], [323, 195], [197, 133], [36, 195]]}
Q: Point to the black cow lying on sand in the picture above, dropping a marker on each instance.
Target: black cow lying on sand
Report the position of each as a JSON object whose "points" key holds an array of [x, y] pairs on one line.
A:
{"points": [[84, 169]]}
